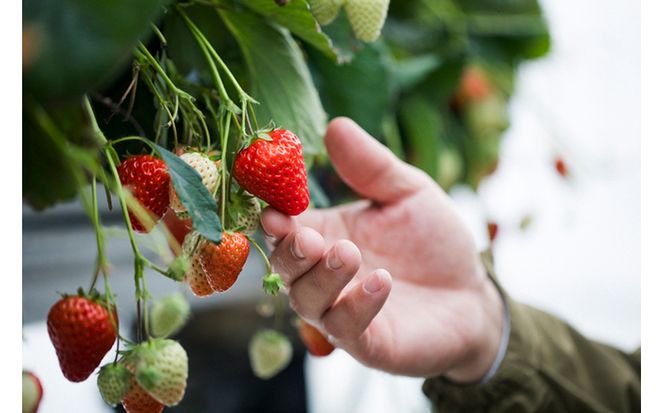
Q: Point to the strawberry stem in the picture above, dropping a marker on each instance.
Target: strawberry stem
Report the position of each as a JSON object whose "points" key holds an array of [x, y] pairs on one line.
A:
{"points": [[222, 170], [205, 48], [272, 281], [139, 260], [243, 95], [193, 118]]}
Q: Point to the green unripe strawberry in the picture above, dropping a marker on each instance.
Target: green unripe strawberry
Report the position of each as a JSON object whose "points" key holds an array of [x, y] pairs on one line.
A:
{"points": [[269, 353], [178, 268], [162, 369], [245, 212], [325, 11], [367, 17], [32, 392], [169, 315], [113, 382]]}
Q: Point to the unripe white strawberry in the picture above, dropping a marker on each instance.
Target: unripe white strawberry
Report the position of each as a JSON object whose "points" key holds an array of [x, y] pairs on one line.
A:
{"points": [[162, 369], [113, 382], [325, 11], [208, 171], [367, 17], [245, 212], [32, 392], [196, 275], [169, 314], [269, 353]]}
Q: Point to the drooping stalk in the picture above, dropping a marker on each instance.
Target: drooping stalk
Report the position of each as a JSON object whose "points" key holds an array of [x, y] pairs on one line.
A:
{"points": [[243, 95], [272, 281], [222, 195]]}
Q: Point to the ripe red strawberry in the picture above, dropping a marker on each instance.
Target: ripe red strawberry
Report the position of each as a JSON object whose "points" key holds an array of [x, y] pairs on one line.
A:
{"points": [[32, 392], [561, 167], [315, 342], [492, 229], [473, 87], [223, 263], [82, 332], [148, 180], [179, 228], [273, 170], [138, 400]]}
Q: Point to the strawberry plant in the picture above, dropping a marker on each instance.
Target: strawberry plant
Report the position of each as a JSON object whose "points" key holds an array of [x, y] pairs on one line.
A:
{"points": [[192, 115]]}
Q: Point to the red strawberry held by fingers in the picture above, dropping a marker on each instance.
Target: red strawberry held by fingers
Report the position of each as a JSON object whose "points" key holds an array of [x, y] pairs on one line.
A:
{"points": [[82, 332], [148, 180], [223, 263], [313, 340], [273, 169]]}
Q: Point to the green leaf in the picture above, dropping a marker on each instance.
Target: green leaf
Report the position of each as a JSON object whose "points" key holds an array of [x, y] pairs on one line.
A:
{"points": [[410, 71], [423, 125], [194, 196], [280, 79], [73, 45], [344, 42], [53, 154], [359, 89], [296, 17]]}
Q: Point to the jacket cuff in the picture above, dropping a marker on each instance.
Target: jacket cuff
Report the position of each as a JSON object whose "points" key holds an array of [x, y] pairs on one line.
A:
{"points": [[511, 374]]}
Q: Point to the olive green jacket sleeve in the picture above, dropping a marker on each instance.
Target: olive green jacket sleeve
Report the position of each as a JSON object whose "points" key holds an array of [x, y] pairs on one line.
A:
{"points": [[547, 367]]}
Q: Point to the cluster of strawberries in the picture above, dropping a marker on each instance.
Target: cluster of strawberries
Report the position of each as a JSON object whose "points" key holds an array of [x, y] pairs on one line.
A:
{"points": [[153, 374], [271, 169]]}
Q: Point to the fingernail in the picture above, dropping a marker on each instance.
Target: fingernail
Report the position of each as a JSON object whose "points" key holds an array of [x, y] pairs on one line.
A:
{"points": [[296, 250], [374, 283], [332, 340], [333, 260], [266, 232]]}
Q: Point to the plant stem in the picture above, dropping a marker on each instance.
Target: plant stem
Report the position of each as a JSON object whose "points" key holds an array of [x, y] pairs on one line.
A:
{"points": [[205, 46], [243, 95], [224, 144], [101, 259], [157, 67], [139, 261], [268, 265], [93, 121]]}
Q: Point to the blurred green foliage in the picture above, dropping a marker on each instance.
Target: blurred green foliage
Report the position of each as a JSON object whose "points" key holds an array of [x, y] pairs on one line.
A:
{"points": [[434, 87]]}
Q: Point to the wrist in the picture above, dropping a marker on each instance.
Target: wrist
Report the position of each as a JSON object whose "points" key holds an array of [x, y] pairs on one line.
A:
{"points": [[486, 343]]}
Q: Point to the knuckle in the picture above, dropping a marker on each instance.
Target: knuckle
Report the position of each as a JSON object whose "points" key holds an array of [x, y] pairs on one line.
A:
{"points": [[304, 304]]}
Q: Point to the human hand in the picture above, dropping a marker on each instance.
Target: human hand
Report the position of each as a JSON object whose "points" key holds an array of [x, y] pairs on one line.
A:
{"points": [[395, 280]]}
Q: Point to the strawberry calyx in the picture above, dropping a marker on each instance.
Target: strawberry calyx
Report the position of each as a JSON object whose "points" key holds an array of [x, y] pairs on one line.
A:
{"points": [[178, 268], [272, 283], [93, 295], [259, 134]]}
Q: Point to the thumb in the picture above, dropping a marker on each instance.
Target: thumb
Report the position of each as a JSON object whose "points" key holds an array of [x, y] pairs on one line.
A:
{"points": [[367, 166]]}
